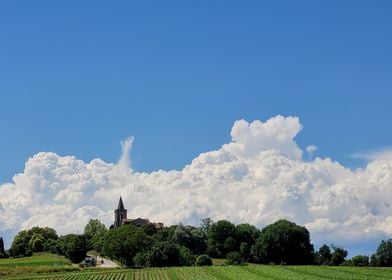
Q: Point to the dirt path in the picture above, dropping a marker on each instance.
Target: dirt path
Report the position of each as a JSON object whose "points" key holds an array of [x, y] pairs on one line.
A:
{"points": [[106, 263]]}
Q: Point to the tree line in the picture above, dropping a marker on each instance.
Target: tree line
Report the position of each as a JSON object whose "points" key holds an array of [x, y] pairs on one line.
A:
{"points": [[282, 242]]}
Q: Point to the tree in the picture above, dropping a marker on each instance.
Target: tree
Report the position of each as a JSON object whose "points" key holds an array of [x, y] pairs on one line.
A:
{"points": [[20, 245], [230, 244], [190, 237], [72, 246], [205, 224], [338, 256], [383, 255], [217, 234], [187, 258], [124, 242], [247, 233], [165, 234], [46, 232], [36, 242], [2, 251], [142, 259], [284, 242], [323, 256], [28, 241], [245, 251], [50, 246], [246, 236], [149, 229], [360, 260], [95, 232], [374, 260], [76, 248], [165, 254]]}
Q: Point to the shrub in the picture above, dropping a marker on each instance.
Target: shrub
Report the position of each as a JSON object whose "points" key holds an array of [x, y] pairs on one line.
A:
{"points": [[360, 260], [186, 256], [234, 258], [142, 259], [203, 260]]}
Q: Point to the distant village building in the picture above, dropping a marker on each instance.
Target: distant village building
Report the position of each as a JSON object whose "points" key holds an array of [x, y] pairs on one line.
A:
{"points": [[120, 218]]}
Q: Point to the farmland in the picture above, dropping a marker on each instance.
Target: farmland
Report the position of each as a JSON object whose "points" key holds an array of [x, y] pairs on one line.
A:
{"points": [[248, 272], [49, 266]]}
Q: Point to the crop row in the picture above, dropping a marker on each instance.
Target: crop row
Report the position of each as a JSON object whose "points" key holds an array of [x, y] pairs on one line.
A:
{"points": [[250, 272]]}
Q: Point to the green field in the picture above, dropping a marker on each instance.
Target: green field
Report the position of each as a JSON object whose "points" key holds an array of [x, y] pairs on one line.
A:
{"points": [[39, 259], [48, 266], [38, 264], [250, 272]]}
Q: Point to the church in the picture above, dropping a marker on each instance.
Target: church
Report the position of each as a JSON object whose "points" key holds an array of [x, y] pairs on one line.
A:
{"points": [[120, 218]]}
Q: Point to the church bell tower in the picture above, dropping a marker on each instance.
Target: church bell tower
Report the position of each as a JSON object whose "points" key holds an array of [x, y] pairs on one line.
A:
{"points": [[120, 213]]}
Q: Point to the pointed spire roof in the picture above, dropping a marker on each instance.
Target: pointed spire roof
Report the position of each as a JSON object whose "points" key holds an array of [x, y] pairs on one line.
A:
{"points": [[121, 204]]}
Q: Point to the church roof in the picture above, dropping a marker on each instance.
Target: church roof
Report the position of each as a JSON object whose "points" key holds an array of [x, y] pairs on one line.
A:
{"points": [[120, 204]]}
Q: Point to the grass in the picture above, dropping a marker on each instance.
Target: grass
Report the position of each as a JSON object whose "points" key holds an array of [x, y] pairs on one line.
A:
{"points": [[39, 259], [218, 261], [38, 263]]}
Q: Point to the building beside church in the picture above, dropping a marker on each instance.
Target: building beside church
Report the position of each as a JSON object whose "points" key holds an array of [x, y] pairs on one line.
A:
{"points": [[120, 218]]}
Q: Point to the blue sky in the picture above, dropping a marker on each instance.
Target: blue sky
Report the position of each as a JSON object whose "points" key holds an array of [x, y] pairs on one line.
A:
{"points": [[77, 77]]}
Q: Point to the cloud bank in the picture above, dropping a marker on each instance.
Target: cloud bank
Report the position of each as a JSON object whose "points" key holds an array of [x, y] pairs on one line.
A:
{"points": [[259, 177]]}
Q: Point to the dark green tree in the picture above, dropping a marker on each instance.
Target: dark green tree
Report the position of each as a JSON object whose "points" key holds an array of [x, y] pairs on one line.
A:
{"points": [[165, 254], [246, 236], [217, 234], [149, 229], [28, 241], [123, 243], [374, 260], [383, 255], [36, 242], [73, 247], [50, 245], [203, 260], [338, 255], [360, 260], [323, 255], [2, 251], [245, 251], [165, 234], [230, 244], [46, 232], [247, 233], [20, 245], [95, 232], [190, 237], [284, 242], [187, 258]]}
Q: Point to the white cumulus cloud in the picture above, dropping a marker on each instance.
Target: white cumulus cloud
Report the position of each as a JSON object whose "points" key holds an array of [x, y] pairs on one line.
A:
{"points": [[311, 149], [259, 177]]}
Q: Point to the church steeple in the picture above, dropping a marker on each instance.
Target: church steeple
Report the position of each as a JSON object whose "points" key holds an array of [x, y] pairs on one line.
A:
{"points": [[120, 204], [120, 214]]}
